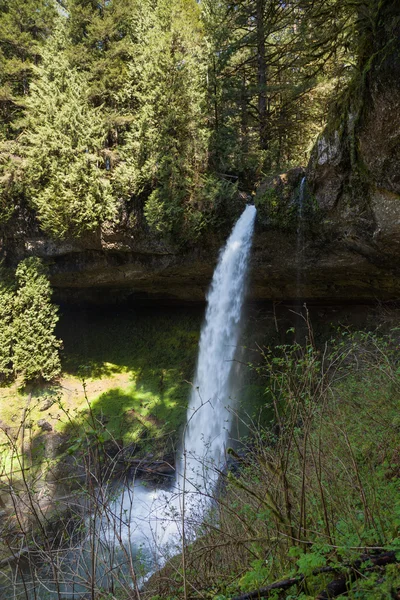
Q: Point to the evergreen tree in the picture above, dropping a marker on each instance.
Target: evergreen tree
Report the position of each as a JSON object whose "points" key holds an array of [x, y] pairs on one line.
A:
{"points": [[35, 347], [246, 80], [62, 148], [24, 26], [166, 149], [165, 106], [102, 39], [102, 35], [229, 85], [273, 67]]}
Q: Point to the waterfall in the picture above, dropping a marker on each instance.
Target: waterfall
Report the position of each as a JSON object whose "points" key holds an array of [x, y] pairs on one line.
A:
{"points": [[208, 421], [143, 525], [156, 515]]}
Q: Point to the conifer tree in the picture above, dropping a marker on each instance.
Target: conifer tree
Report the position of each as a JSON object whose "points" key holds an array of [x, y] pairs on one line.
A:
{"points": [[24, 26], [62, 148], [35, 347], [102, 38], [162, 105], [102, 35], [272, 67], [166, 150]]}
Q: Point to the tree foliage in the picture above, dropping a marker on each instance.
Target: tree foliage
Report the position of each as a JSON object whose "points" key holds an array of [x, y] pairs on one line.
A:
{"points": [[166, 148], [139, 105], [24, 27], [62, 149], [28, 345]]}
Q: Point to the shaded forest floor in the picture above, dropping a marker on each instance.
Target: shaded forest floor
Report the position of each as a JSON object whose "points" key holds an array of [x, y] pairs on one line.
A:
{"points": [[133, 369]]}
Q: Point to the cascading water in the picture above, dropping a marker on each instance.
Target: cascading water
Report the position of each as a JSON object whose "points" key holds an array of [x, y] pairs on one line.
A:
{"points": [[156, 515], [301, 198], [208, 421]]}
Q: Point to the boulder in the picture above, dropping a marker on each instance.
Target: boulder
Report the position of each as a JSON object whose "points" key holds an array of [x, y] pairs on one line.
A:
{"points": [[47, 403], [44, 425]]}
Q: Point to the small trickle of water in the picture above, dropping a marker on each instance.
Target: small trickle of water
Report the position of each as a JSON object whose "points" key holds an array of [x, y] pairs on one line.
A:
{"points": [[301, 198], [300, 237]]}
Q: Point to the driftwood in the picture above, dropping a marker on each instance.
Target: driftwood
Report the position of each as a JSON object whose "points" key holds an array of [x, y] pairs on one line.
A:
{"points": [[278, 585], [336, 587], [150, 467], [340, 585]]}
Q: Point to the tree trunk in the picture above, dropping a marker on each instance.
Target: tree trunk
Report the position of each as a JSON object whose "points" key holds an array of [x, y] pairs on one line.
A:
{"points": [[262, 76], [244, 116]]}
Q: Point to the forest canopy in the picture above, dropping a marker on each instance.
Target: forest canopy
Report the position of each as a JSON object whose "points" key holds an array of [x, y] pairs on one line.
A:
{"points": [[165, 108]]}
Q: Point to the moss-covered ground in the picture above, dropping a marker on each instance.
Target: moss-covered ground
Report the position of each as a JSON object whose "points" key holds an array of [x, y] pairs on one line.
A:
{"points": [[132, 368]]}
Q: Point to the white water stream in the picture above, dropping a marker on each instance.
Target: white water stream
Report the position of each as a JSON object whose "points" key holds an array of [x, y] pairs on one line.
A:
{"points": [[156, 516], [208, 421]]}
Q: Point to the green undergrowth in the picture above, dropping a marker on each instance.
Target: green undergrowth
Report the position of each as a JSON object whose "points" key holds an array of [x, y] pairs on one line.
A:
{"points": [[151, 355], [315, 495], [126, 373]]}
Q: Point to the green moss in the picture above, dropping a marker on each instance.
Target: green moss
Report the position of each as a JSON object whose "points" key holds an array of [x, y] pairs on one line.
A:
{"points": [[281, 210], [274, 211]]}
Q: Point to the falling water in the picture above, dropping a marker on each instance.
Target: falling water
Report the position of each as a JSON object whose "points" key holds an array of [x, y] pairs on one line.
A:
{"points": [[208, 421], [157, 514], [301, 198]]}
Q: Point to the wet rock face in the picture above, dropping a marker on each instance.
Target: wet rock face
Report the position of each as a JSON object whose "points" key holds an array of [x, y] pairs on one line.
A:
{"points": [[101, 277], [354, 178], [380, 141], [326, 173], [329, 268], [348, 250], [386, 208]]}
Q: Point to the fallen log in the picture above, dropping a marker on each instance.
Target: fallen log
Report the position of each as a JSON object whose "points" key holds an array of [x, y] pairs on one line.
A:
{"points": [[157, 467], [336, 587], [278, 585], [340, 585]]}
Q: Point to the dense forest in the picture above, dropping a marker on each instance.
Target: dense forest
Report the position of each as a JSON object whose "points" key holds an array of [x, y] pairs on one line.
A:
{"points": [[167, 106], [164, 118]]}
